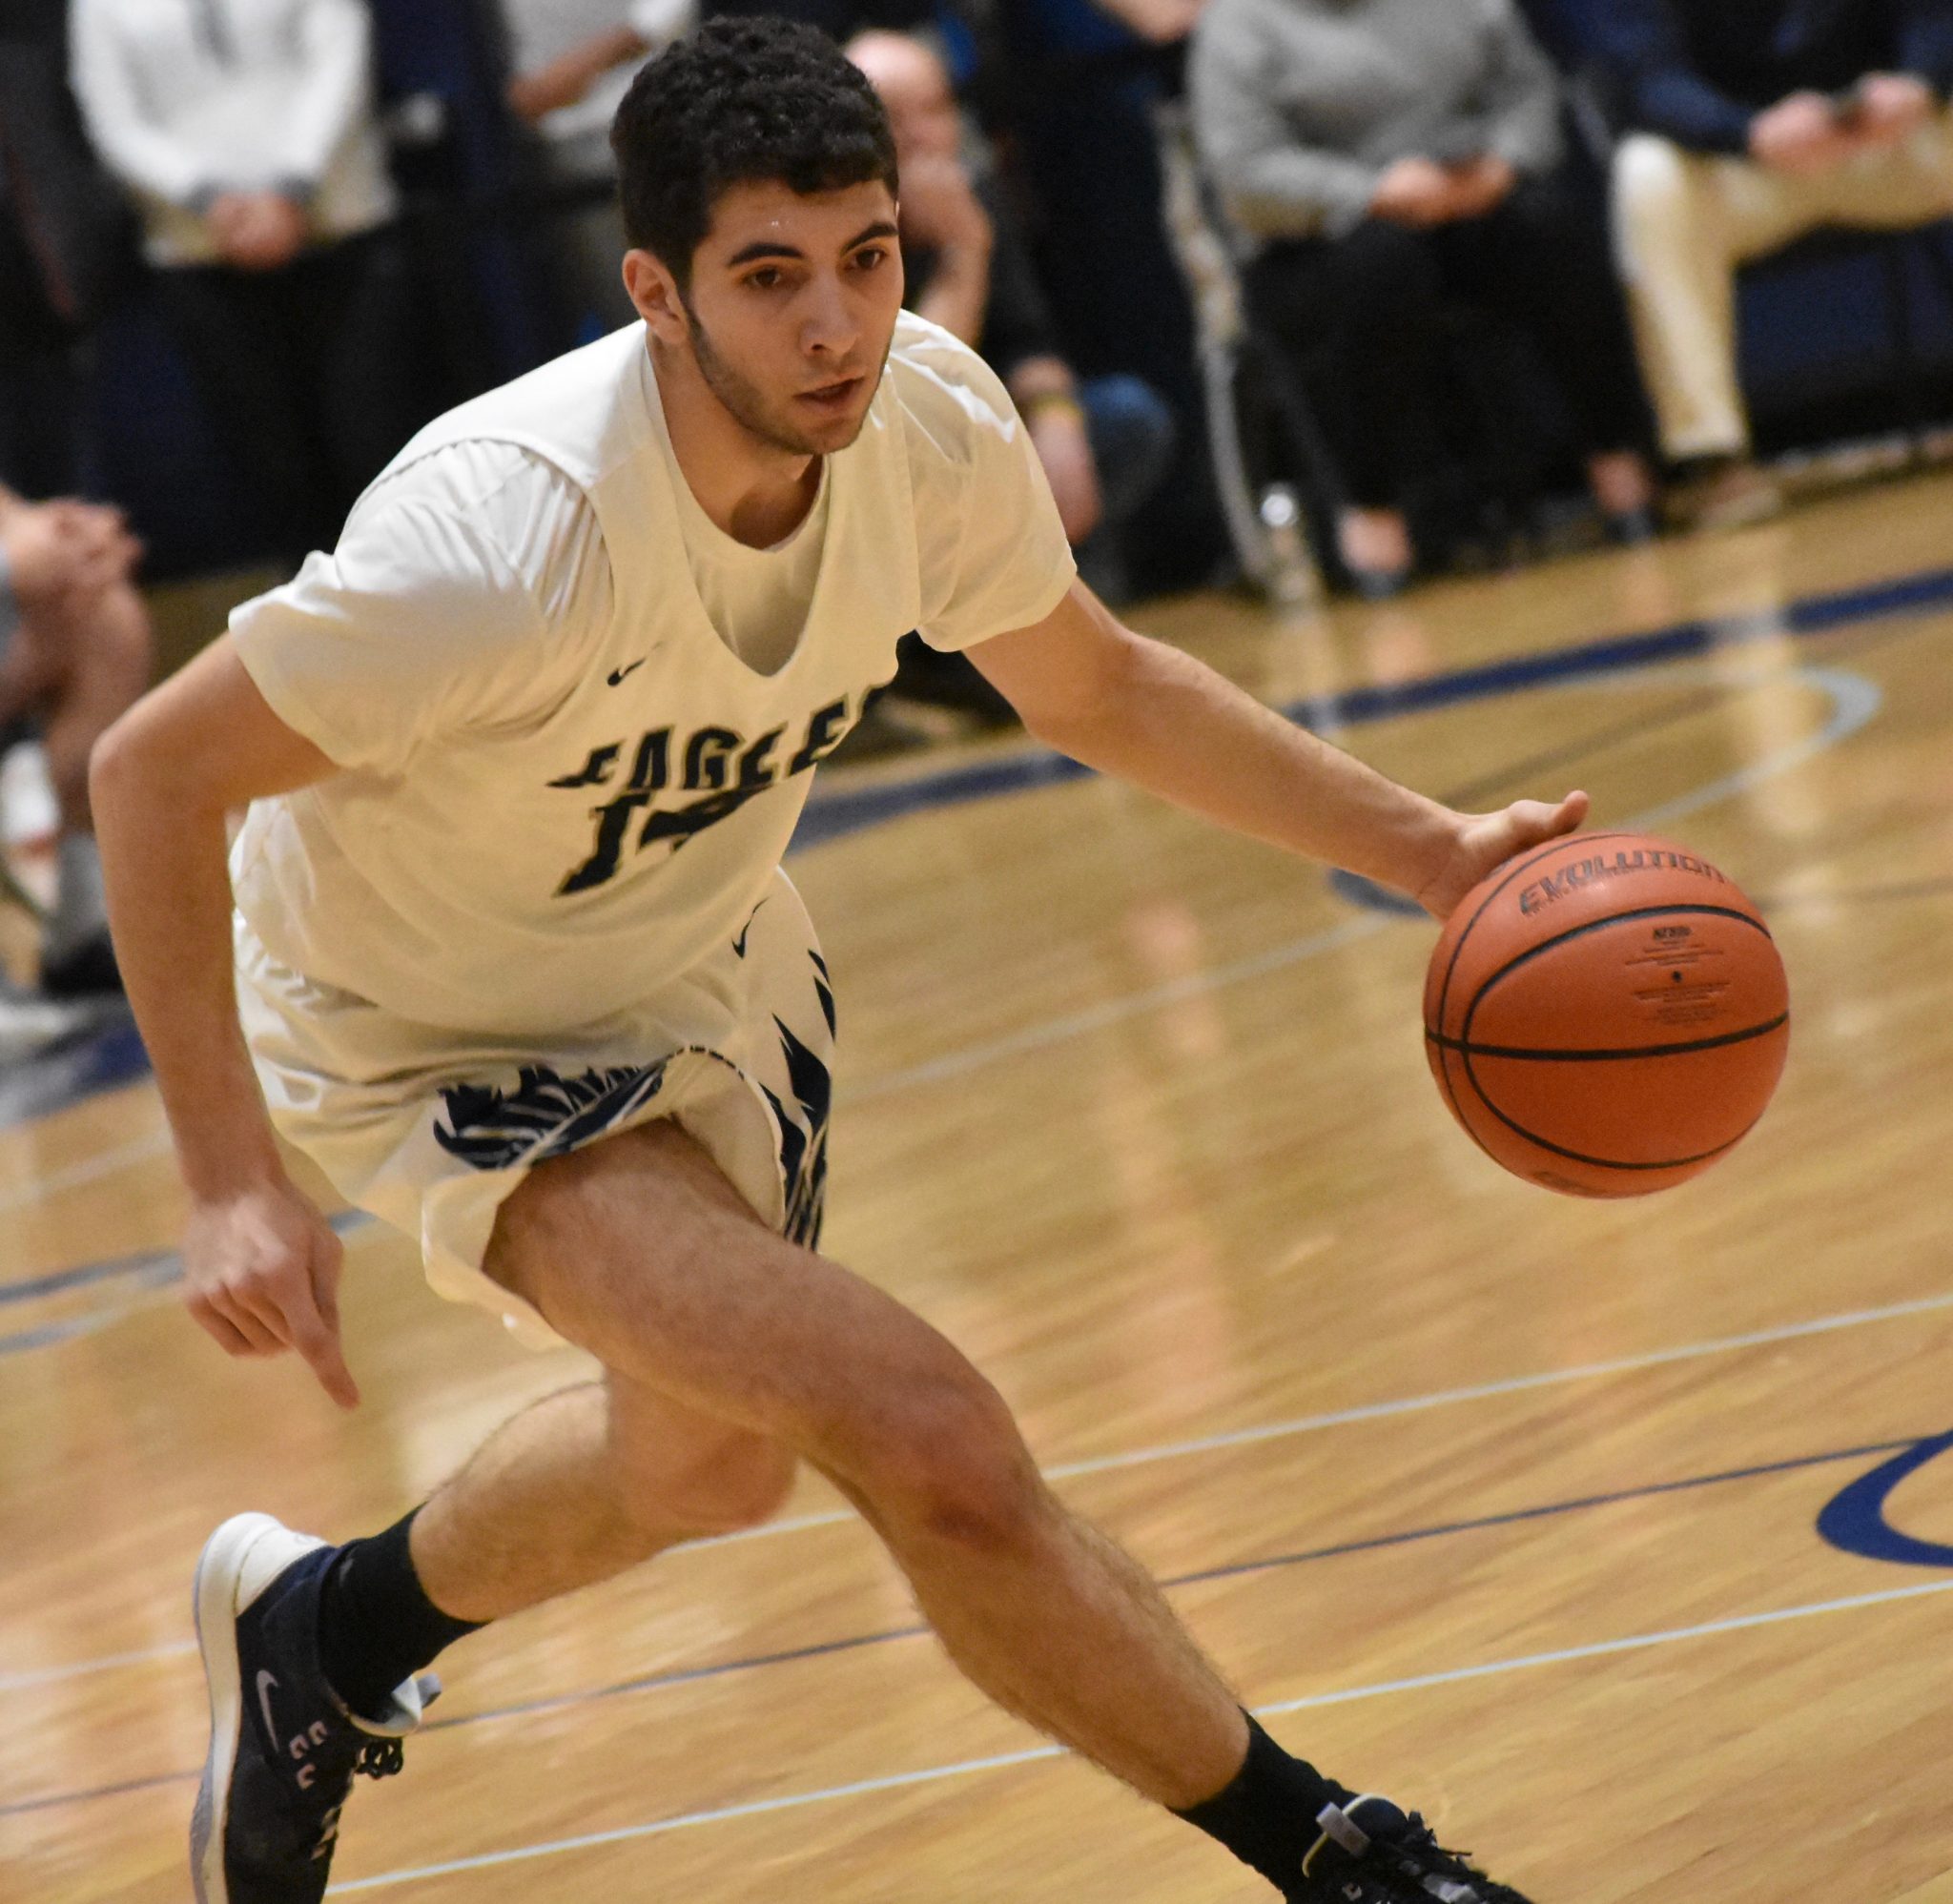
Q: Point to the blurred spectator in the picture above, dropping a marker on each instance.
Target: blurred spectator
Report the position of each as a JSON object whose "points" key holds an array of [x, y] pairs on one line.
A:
{"points": [[245, 131], [74, 654], [841, 19], [573, 62], [64, 241], [1388, 155], [1750, 123], [1104, 442], [1078, 87]]}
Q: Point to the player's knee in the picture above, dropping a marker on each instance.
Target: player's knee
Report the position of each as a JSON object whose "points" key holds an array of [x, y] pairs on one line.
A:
{"points": [[737, 1482], [951, 1466]]}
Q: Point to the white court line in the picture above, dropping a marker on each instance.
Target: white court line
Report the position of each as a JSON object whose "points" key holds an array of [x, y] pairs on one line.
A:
{"points": [[1853, 701], [12, 1682], [963, 1769], [105, 1163], [1114, 1011], [1303, 1424], [1411, 1405]]}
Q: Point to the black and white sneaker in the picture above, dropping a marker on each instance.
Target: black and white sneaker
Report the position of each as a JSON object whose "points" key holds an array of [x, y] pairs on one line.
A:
{"points": [[1369, 1853], [282, 1748]]}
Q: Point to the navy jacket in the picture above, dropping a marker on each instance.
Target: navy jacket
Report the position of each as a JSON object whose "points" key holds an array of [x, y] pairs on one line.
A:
{"points": [[1698, 70], [66, 235]]}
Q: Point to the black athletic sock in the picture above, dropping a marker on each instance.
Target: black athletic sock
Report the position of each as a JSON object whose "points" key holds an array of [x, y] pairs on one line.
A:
{"points": [[1267, 1814], [376, 1623]]}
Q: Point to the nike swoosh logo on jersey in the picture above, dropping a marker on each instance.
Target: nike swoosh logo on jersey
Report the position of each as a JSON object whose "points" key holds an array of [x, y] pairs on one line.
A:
{"points": [[265, 1683], [617, 674]]}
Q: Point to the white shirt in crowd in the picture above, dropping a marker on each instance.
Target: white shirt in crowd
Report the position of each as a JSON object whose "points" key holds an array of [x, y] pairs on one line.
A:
{"points": [[187, 98], [541, 31], [577, 723]]}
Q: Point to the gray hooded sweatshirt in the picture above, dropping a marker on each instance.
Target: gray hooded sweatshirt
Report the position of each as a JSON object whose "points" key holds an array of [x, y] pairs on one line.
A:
{"points": [[1300, 106]]}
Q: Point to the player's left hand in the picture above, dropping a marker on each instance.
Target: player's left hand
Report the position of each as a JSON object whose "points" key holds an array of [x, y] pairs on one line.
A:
{"points": [[1484, 841]]}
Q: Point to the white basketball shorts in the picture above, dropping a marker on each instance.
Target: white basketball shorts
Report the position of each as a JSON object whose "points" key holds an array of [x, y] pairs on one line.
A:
{"points": [[430, 1130]]}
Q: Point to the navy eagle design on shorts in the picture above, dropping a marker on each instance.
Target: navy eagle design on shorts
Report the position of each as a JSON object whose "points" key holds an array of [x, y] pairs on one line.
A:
{"points": [[548, 1114]]}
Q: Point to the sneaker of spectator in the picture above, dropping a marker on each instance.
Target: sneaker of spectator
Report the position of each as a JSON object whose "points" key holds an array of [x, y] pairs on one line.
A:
{"points": [[74, 654], [1712, 494]]}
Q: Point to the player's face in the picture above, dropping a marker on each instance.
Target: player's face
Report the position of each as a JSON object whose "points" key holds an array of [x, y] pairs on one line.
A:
{"points": [[793, 300]]}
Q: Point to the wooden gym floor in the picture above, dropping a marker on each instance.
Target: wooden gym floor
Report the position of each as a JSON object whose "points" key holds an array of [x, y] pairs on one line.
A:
{"points": [[1609, 1534]]}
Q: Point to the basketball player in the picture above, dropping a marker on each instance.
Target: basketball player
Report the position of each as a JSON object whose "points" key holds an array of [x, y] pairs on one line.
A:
{"points": [[517, 966]]}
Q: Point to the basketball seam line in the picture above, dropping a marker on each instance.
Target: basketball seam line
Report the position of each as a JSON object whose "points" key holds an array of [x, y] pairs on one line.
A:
{"points": [[1512, 872], [1573, 932], [1603, 1162], [1466, 1048], [1546, 1144]]}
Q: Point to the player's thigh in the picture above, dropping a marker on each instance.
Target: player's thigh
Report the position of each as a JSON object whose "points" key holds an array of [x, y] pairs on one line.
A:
{"points": [[639, 1250]]}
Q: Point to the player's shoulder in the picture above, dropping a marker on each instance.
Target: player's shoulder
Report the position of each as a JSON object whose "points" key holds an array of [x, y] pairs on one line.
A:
{"points": [[948, 398], [557, 424], [465, 502]]}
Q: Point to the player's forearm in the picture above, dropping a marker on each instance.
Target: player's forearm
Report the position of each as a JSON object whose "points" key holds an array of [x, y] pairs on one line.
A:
{"points": [[165, 864], [1169, 722]]}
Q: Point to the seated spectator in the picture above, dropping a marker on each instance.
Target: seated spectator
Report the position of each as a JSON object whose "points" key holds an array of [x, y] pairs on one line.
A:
{"points": [[1103, 441], [1077, 88], [574, 61], [1382, 158], [245, 131], [74, 654], [1750, 123]]}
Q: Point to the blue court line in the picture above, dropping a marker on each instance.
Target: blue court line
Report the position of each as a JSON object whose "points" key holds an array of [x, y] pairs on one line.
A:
{"points": [[1854, 1520], [985, 779], [146, 1270], [833, 812], [845, 811], [1232, 1570]]}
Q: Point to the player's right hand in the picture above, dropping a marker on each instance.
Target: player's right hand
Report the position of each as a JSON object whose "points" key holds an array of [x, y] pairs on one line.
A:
{"points": [[261, 1273]]}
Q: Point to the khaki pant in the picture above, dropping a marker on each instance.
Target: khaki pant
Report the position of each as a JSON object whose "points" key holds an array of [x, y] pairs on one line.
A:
{"points": [[1684, 221]]}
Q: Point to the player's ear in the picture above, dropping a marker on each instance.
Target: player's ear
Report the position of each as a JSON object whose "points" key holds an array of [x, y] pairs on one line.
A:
{"points": [[654, 292]]}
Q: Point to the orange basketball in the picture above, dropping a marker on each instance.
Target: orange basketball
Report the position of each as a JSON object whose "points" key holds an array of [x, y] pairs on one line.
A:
{"points": [[1606, 1015]]}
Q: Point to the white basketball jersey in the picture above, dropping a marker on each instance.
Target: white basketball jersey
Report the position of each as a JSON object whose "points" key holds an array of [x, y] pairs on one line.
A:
{"points": [[541, 817]]}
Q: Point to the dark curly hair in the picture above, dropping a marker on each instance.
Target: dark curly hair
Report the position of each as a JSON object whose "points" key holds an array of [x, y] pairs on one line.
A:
{"points": [[744, 99]]}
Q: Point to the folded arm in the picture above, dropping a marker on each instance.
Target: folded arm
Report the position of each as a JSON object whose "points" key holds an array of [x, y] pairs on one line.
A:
{"points": [[1273, 184]]}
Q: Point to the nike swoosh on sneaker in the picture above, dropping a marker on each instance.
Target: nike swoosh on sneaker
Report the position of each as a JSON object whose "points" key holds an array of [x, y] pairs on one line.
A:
{"points": [[617, 674], [265, 1683]]}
